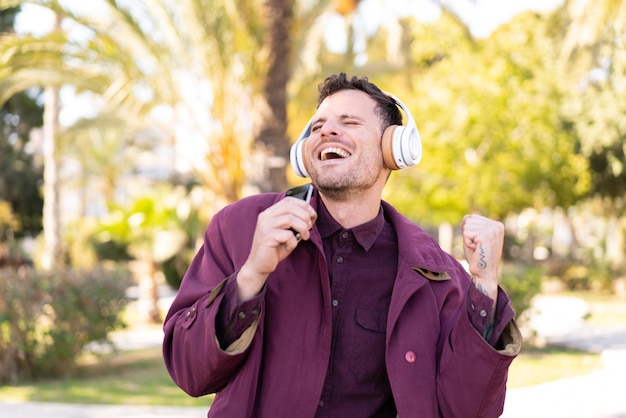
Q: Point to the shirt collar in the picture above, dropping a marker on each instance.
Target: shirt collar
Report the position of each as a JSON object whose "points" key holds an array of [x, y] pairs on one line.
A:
{"points": [[365, 234]]}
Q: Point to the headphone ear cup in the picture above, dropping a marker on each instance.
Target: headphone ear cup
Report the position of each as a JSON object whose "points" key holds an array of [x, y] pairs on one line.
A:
{"points": [[402, 146], [387, 145], [297, 159], [296, 154]]}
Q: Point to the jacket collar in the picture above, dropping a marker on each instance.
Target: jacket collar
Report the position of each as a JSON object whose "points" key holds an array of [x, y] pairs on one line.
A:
{"points": [[428, 259], [365, 234]]}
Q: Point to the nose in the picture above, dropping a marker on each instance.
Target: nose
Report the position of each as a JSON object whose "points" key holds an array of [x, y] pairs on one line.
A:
{"points": [[329, 128]]}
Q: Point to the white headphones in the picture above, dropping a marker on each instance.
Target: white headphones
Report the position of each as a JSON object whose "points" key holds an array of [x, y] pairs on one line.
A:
{"points": [[401, 145]]}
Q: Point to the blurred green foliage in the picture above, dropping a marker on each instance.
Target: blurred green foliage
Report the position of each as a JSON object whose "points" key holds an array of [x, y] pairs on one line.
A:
{"points": [[521, 283], [160, 225], [47, 320], [20, 175]]}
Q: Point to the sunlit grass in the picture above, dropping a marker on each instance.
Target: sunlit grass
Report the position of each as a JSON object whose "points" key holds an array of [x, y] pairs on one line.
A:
{"points": [[605, 309], [130, 378], [537, 365]]}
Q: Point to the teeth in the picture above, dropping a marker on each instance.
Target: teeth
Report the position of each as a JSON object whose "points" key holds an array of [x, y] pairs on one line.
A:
{"points": [[325, 155]]}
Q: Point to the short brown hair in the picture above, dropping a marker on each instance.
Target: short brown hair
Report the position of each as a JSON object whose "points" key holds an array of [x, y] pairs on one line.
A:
{"points": [[386, 107]]}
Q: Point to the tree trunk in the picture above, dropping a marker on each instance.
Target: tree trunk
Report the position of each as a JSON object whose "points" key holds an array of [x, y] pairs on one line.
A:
{"points": [[52, 257], [614, 242], [446, 236], [271, 143], [144, 271]]}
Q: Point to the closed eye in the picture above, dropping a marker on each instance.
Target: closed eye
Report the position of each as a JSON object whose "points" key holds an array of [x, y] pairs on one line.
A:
{"points": [[350, 120], [345, 120]]}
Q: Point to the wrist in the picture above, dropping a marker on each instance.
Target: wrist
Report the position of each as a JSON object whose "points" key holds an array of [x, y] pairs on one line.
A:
{"points": [[249, 283], [487, 286]]}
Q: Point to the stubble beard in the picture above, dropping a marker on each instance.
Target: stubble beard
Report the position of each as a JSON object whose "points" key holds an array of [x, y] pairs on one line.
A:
{"points": [[343, 187]]}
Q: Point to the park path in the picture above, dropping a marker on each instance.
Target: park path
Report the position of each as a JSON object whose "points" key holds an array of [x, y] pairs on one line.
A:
{"points": [[600, 394]]}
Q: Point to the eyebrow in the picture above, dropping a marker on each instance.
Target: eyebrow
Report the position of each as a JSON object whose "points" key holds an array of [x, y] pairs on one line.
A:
{"points": [[341, 118]]}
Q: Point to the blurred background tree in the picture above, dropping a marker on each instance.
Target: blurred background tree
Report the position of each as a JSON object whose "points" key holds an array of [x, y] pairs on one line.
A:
{"points": [[20, 173], [593, 64], [199, 100]]}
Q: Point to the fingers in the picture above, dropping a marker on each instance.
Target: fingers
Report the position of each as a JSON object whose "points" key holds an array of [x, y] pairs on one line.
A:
{"points": [[477, 228], [299, 218], [274, 238], [289, 215]]}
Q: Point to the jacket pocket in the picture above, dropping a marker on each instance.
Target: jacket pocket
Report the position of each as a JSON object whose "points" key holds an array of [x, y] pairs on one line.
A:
{"points": [[368, 352]]}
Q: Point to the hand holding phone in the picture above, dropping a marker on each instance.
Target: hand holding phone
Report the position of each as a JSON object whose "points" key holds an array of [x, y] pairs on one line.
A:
{"points": [[301, 192], [271, 242]]}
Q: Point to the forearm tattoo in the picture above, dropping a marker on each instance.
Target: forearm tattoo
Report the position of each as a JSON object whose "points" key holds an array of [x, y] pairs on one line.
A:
{"points": [[482, 258], [480, 288]]}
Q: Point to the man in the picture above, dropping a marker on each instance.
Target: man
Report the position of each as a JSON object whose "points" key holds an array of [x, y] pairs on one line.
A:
{"points": [[342, 307]]}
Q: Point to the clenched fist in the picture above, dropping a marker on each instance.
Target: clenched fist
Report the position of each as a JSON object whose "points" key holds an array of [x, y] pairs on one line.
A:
{"points": [[483, 240]]}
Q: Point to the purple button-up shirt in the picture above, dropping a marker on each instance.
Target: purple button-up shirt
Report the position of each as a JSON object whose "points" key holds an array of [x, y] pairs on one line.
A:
{"points": [[362, 264]]}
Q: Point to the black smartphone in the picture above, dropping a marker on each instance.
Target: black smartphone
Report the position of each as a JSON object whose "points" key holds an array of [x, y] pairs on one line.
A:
{"points": [[303, 192]]}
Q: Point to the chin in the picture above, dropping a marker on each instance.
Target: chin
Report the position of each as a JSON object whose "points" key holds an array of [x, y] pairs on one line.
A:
{"points": [[335, 193], [335, 186]]}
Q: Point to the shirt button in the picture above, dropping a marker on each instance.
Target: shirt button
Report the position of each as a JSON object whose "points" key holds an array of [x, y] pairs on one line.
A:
{"points": [[335, 302], [340, 259], [320, 404], [344, 234], [241, 315], [190, 312], [410, 357], [482, 313]]}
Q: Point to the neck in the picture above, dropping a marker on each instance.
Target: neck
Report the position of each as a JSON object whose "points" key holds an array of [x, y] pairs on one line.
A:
{"points": [[354, 211]]}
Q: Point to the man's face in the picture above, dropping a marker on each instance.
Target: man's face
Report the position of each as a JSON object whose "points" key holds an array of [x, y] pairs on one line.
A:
{"points": [[343, 151]]}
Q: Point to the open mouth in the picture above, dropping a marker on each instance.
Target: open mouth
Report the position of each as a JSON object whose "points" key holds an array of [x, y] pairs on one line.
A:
{"points": [[333, 153]]}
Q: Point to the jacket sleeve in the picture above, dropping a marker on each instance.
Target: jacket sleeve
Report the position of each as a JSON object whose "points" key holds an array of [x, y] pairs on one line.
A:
{"points": [[191, 350], [234, 318], [473, 372], [479, 308]]}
